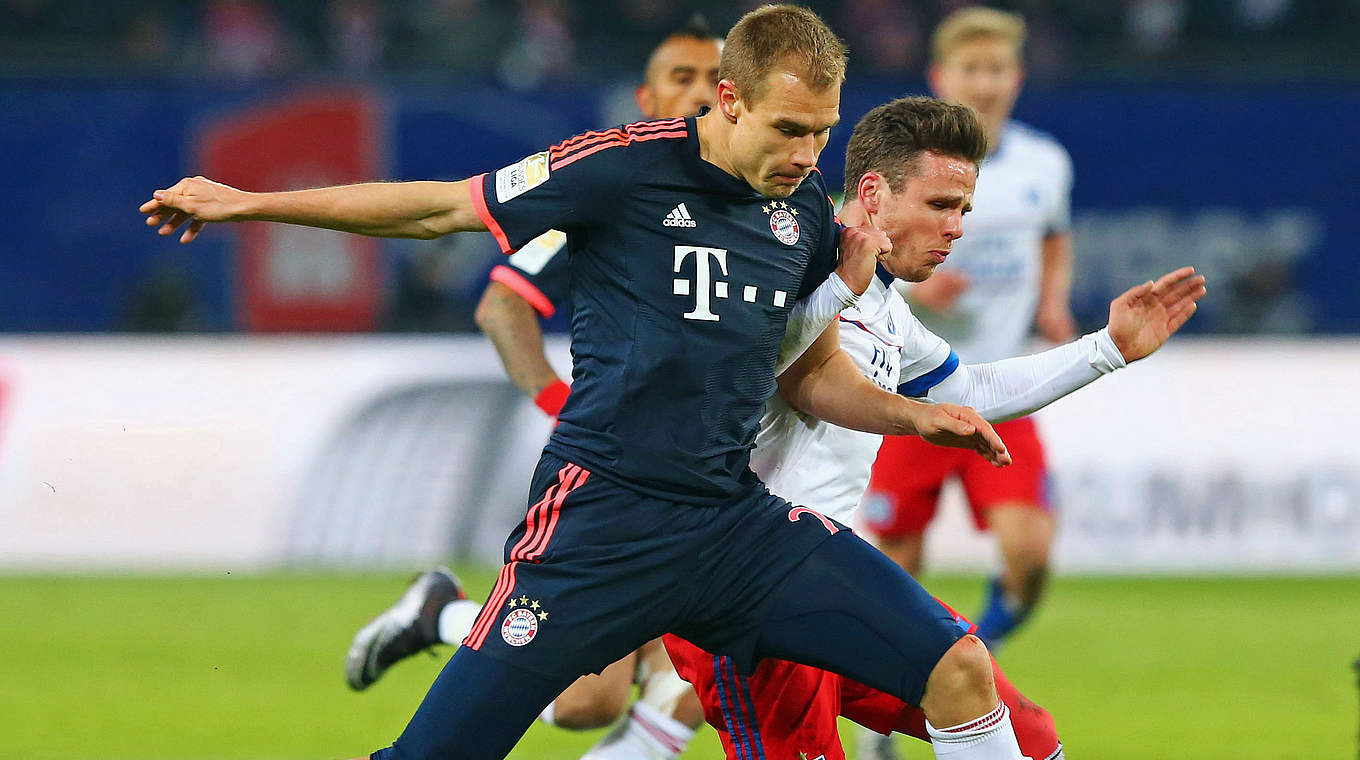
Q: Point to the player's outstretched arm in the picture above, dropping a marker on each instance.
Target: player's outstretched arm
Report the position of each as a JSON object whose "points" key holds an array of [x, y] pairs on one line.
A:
{"points": [[1141, 320], [513, 327], [1145, 316], [398, 209], [825, 383]]}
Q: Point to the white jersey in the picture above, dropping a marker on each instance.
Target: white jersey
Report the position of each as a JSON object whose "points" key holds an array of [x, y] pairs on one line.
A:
{"points": [[815, 463], [1023, 195]]}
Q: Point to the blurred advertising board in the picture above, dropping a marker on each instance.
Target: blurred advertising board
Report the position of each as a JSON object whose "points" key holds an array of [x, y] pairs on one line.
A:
{"points": [[251, 453]]}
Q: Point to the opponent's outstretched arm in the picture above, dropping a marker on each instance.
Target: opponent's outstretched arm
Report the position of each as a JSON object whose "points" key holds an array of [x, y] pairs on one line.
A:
{"points": [[381, 209], [825, 383], [513, 326], [1141, 321]]}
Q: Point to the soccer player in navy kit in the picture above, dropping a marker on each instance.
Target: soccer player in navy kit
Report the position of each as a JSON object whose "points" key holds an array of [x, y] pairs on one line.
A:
{"points": [[680, 79], [644, 517]]}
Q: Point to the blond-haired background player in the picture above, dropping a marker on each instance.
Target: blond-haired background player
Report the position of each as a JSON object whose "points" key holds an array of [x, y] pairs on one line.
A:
{"points": [[1011, 272]]}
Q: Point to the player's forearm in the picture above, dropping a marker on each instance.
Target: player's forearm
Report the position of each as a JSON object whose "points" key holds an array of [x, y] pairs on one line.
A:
{"points": [[838, 392], [513, 327], [810, 317], [422, 210], [1055, 276], [1021, 385]]}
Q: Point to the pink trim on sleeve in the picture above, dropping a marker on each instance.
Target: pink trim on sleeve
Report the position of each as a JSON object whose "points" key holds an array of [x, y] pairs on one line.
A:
{"points": [[524, 289], [484, 213]]}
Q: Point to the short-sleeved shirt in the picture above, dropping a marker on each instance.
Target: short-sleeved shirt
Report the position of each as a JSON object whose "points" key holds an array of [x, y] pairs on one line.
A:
{"points": [[681, 279], [827, 467], [1023, 196], [537, 272]]}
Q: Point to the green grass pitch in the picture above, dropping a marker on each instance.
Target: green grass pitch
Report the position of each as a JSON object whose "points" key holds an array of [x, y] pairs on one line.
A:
{"points": [[236, 667]]}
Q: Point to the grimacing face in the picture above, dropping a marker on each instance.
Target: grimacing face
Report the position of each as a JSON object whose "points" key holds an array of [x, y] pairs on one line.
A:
{"points": [[682, 77], [984, 74], [775, 142], [925, 218]]}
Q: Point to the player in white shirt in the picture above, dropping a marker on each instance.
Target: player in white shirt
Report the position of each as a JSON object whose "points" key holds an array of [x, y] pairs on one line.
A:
{"points": [[1013, 271], [918, 199]]}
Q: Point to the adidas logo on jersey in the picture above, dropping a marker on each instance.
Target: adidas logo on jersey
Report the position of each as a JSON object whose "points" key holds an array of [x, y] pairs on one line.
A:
{"points": [[679, 217]]}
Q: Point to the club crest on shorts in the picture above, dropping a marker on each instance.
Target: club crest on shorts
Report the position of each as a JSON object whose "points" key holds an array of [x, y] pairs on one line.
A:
{"points": [[783, 221], [521, 625]]}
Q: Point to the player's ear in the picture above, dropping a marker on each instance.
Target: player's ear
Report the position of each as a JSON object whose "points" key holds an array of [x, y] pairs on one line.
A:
{"points": [[646, 100], [868, 191], [729, 100]]}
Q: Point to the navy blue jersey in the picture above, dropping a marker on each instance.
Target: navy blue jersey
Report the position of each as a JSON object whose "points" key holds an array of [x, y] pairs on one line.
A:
{"points": [[681, 278], [538, 273]]}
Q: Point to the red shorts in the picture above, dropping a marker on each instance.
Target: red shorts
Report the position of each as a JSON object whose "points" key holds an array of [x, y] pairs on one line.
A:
{"points": [[909, 473], [786, 710]]}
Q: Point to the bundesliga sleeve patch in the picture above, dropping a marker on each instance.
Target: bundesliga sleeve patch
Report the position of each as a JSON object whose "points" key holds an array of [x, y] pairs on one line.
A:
{"points": [[519, 178]]}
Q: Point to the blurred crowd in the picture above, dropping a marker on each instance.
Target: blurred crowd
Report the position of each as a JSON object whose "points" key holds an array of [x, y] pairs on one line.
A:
{"points": [[529, 43]]}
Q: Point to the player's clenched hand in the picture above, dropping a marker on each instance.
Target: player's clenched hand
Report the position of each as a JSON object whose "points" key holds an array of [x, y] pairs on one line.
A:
{"points": [[961, 427], [195, 200], [860, 250], [1145, 316]]}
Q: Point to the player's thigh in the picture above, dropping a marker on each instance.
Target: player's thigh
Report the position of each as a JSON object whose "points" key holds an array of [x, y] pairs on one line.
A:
{"points": [[849, 609], [781, 710], [590, 575]]}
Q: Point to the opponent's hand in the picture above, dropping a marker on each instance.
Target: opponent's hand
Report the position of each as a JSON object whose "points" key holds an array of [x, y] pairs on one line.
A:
{"points": [[961, 427], [941, 291], [860, 250], [1145, 316], [196, 200]]}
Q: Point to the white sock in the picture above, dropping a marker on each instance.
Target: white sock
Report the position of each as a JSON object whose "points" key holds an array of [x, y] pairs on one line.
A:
{"points": [[644, 733], [548, 713], [990, 737], [456, 619]]}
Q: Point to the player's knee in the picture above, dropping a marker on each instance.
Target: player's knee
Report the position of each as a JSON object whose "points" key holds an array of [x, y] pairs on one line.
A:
{"points": [[585, 709], [965, 669]]}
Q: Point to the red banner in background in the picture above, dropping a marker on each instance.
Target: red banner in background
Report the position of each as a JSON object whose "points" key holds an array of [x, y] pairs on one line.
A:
{"points": [[294, 279]]}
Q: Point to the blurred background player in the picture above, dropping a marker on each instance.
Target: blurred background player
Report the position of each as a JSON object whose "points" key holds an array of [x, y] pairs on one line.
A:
{"points": [[680, 79], [1014, 269], [913, 177]]}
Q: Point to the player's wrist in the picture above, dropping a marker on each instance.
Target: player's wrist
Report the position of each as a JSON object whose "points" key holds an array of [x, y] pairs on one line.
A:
{"points": [[847, 296], [1105, 355], [552, 398]]}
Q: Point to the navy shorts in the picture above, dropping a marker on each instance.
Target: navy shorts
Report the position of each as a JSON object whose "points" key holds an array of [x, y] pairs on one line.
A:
{"points": [[598, 569]]}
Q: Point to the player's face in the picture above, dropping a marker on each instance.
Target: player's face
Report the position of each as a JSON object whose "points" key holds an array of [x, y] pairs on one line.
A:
{"points": [[682, 78], [926, 217], [984, 74], [776, 141]]}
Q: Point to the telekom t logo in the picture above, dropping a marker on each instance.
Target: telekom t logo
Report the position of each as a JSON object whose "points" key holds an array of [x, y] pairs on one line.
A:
{"points": [[704, 288]]}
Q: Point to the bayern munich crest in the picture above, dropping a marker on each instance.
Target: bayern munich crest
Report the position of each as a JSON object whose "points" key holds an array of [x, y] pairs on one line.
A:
{"points": [[520, 627], [783, 221]]}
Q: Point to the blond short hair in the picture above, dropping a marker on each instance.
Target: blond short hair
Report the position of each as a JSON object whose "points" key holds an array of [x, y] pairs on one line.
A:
{"points": [[776, 37], [976, 23]]}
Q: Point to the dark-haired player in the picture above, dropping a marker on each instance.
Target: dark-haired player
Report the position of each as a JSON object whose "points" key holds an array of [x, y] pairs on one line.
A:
{"points": [[911, 166]]}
